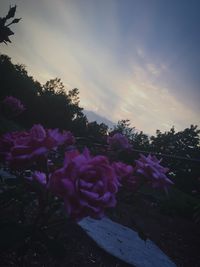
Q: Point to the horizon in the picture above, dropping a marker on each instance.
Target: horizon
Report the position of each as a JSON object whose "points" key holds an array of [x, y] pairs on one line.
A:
{"points": [[136, 60]]}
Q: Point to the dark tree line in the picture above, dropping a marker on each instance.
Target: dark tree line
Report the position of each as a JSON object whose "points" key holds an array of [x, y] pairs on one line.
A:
{"points": [[49, 104]]}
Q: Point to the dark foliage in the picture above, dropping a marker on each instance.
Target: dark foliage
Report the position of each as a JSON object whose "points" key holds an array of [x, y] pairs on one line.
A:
{"points": [[49, 104], [184, 144], [5, 31], [180, 151]]}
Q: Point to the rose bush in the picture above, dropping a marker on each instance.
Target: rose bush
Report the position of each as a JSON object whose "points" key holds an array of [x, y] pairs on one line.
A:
{"points": [[86, 184]]}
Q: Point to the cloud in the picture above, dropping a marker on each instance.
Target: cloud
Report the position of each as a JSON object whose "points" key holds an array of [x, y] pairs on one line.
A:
{"points": [[140, 52], [85, 48], [152, 107], [153, 69]]}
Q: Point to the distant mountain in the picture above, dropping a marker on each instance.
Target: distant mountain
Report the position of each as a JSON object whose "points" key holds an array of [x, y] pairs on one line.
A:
{"points": [[92, 116]]}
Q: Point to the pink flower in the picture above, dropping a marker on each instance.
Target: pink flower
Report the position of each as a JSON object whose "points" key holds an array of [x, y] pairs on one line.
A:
{"points": [[87, 184], [38, 177], [7, 141], [24, 149], [150, 168], [64, 138], [118, 141], [125, 175], [12, 106]]}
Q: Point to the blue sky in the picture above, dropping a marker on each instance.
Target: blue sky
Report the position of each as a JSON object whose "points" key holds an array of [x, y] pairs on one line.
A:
{"points": [[130, 59]]}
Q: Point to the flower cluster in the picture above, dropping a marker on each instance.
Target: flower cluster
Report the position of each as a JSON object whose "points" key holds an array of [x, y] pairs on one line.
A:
{"points": [[126, 176], [149, 168], [26, 148], [87, 184]]}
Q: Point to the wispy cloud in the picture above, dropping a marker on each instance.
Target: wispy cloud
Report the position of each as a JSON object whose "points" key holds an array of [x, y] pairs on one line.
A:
{"points": [[83, 45]]}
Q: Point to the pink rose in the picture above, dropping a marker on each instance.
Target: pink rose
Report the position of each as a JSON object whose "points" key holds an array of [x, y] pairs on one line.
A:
{"points": [[118, 141], [87, 184], [125, 175], [150, 168], [12, 106], [7, 141], [28, 148], [64, 138]]}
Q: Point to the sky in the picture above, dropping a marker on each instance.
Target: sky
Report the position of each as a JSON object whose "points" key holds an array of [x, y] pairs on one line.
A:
{"points": [[130, 59]]}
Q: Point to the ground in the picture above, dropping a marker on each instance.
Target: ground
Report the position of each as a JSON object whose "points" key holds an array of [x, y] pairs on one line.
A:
{"points": [[179, 238]]}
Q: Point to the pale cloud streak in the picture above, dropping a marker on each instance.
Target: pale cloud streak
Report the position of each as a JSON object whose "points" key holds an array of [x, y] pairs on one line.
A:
{"points": [[151, 106], [86, 54]]}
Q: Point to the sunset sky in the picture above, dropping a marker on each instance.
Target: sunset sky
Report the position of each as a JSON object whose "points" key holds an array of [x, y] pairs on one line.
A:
{"points": [[130, 59]]}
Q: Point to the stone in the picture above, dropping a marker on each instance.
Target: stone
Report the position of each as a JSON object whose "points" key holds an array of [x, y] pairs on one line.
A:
{"points": [[124, 243]]}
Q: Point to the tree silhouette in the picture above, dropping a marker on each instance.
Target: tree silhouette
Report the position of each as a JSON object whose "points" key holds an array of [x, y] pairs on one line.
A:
{"points": [[186, 144], [50, 104], [5, 31]]}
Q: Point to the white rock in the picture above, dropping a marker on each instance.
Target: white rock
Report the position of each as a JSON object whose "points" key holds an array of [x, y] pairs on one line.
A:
{"points": [[125, 243]]}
